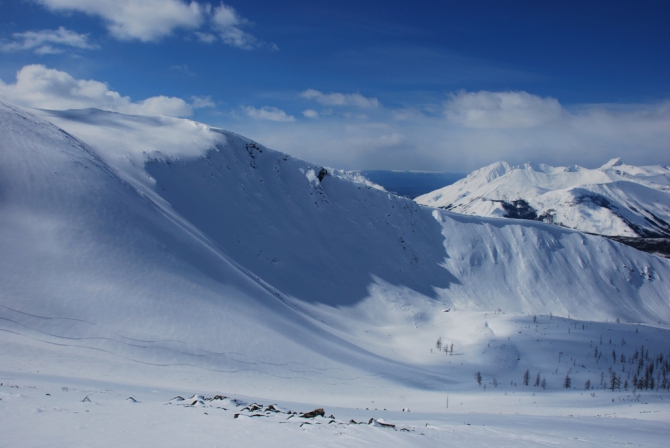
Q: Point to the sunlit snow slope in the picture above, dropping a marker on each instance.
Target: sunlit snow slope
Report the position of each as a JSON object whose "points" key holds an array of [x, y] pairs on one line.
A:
{"points": [[616, 199], [167, 242]]}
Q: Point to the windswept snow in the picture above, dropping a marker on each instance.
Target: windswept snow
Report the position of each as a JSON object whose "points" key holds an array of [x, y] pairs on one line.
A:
{"points": [[159, 257], [615, 200]]}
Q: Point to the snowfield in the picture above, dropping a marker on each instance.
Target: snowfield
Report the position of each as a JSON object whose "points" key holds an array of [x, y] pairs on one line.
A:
{"points": [[616, 199], [156, 258]]}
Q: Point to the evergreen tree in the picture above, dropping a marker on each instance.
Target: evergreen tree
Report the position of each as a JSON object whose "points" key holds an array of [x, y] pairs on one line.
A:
{"points": [[615, 382]]}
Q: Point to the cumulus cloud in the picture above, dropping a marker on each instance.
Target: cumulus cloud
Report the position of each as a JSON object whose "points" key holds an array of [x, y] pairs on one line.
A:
{"points": [[145, 20], [502, 109], [152, 20], [156, 105], [46, 41], [473, 129], [41, 87], [201, 102], [267, 113], [520, 127], [309, 113], [227, 22], [341, 99]]}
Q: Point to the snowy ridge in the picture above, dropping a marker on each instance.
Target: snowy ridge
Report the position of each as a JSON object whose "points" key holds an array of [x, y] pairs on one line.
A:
{"points": [[162, 246], [615, 200]]}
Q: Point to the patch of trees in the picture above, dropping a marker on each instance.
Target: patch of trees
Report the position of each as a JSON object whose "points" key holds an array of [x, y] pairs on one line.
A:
{"points": [[442, 347], [640, 371]]}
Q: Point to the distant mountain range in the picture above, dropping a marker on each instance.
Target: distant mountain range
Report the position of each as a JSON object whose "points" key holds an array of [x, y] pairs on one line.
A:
{"points": [[617, 200]]}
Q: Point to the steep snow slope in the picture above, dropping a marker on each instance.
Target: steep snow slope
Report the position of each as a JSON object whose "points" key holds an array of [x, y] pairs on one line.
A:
{"points": [[167, 242], [615, 199], [314, 239], [92, 265], [328, 240], [156, 256]]}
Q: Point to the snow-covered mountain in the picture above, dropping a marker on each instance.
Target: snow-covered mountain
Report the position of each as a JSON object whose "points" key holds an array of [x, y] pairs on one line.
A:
{"points": [[614, 200], [171, 252]]}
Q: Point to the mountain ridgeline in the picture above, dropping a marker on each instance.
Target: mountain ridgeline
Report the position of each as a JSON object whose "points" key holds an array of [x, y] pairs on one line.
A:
{"points": [[626, 203]]}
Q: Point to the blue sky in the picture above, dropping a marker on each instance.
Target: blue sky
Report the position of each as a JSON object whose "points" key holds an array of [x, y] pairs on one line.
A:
{"points": [[441, 86]]}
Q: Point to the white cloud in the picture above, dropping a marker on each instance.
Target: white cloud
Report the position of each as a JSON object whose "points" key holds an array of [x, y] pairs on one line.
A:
{"points": [[309, 113], [46, 41], [48, 49], [156, 105], [408, 113], [200, 102], [519, 127], [41, 87], [227, 23], [208, 38], [474, 129], [146, 20], [502, 109], [267, 113], [152, 20], [341, 99]]}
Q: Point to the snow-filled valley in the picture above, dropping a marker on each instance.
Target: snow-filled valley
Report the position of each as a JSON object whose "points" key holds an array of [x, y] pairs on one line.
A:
{"points": [[152, 257]]}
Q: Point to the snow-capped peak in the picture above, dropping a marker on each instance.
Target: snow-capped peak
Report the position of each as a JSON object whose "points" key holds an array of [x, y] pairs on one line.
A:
{"points": [[617, 161], [615, 199], [493, 171]]}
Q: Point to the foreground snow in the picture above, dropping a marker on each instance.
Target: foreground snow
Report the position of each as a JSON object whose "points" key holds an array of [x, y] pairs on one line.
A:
{"points": [[111, 418], [616, 199], [85, 403], [154, 257]]}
